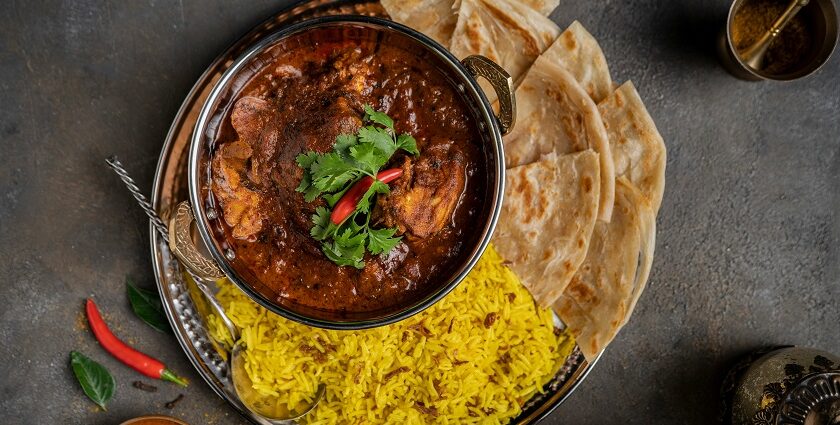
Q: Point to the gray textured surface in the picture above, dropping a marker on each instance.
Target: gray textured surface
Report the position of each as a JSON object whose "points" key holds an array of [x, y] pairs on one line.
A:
{"points": [[747, 252]]}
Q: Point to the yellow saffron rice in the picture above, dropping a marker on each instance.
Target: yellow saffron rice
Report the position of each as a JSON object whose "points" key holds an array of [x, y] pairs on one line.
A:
{"points": [[474, 357]]}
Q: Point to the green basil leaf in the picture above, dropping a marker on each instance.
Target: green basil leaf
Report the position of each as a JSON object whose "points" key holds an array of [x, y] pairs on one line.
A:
{"points": [[96, 381], [147, 306]]}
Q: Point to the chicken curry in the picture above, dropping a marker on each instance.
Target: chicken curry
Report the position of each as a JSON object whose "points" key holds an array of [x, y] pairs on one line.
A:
{"points": [[320, 89]]}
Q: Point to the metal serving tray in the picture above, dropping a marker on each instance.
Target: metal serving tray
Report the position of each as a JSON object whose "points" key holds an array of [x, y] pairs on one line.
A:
{"points": [[186, 309]]}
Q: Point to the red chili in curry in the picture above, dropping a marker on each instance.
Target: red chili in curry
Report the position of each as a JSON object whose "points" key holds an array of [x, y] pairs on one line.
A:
{"points": [[347, 204], [311, 89]]}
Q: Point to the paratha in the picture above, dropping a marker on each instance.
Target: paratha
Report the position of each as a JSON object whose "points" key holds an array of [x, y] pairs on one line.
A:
{"points": [[637, 148], [578, 52], [554, 114], [547, 219], [543, 6], [508, 32], [604, 292], [435, 18]]}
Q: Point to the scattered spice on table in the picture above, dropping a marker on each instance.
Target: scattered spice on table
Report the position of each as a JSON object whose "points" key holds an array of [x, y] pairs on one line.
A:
{"points": [[173, 403], [140, 385], [790, 48], [140, 362]]}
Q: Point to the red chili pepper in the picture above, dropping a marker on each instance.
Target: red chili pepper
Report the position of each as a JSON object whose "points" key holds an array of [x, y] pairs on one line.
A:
{"points": [[347, 204], [138, 361]]}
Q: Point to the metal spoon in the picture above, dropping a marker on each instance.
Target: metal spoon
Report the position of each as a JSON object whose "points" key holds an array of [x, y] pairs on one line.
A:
{"points": [[754, 55], [264, 407]]}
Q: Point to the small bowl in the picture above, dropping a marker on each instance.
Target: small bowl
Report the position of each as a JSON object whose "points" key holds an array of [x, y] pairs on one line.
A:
{"points": [[219, 262], [822, 20], [154, 420]]}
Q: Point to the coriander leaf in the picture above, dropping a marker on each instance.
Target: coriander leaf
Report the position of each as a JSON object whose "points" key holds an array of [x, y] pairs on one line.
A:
{"points": [[305, 183], [147, 306], [345, 255], [332, 199], [330, 175], [311, 193], [324, 228], [331, 172], [408, 144], [378, 137], [368, 157], [343, 142], [305, 160], [350, 237], [96, 381], [348, 246], [377, 187], [382, 240], [378, 117]]}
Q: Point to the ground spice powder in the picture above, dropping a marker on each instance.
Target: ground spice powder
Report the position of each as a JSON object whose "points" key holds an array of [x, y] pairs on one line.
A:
{"points": [[788, 50]]}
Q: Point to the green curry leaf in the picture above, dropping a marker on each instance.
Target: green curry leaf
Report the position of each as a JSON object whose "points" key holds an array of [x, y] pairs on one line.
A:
{"points": [[147, 306], [95, 380]]}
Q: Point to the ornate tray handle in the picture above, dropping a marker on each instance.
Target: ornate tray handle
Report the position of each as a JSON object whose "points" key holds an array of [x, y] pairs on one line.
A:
{"points": [[480, 66], [182, 245]]}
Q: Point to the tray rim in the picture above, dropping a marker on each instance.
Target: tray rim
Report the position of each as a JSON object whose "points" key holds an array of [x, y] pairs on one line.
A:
{"points": [[159, 250]]}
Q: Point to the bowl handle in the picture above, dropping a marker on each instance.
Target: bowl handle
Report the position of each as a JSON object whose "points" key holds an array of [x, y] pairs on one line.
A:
{"points": [[480, 66], [181, 244]]}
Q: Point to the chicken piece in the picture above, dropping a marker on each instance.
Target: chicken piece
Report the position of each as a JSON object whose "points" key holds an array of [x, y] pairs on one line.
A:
{"points": [[423, 199], [240, 204], [249, 117]]}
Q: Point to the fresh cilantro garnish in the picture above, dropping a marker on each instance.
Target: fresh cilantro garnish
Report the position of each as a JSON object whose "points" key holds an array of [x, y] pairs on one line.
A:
{"points": [[331, 175]]}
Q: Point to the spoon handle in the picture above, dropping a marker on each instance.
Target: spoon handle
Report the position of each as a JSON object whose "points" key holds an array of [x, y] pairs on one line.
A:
{"points": [[163, 231], [755, 53], [783, 20], [141, 199]]}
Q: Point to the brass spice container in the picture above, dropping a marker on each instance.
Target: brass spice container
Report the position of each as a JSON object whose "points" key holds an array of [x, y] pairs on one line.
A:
{"points": [[817, 30]]}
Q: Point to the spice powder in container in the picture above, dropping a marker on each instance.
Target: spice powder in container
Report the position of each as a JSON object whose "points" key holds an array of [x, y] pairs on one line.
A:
{"points": [[790, 48]]}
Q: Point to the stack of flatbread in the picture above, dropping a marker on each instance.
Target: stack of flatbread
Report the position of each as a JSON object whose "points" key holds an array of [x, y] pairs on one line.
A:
{"points": [[585, 162]]}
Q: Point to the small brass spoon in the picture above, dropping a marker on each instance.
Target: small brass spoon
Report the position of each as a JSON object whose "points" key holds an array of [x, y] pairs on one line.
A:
{"points": [[261, 405], [265, 407], [754, 55]]}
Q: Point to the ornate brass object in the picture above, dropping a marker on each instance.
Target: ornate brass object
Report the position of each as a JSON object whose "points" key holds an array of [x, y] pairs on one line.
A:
{"points": [[182, 245], [503, 85], [783, 386]]}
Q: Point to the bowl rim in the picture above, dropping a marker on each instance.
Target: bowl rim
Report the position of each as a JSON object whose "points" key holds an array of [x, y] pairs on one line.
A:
{"points": [[489, 124]]}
